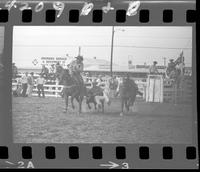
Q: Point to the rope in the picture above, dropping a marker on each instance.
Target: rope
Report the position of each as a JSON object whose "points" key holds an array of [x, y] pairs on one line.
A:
{"points": [[69, 86]]}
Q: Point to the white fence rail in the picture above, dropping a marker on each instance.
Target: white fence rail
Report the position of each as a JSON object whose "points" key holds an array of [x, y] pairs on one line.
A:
{"points": [[55, 90]]}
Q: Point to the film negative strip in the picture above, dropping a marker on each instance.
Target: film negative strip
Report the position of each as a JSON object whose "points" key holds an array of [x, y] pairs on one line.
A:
{"points": [[131, 68]]}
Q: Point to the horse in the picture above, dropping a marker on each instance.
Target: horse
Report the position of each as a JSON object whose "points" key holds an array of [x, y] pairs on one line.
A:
{"points": [[127, 91], [73, 89]]}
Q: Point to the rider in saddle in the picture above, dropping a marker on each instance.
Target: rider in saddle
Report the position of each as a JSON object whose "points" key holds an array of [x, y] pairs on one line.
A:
{"points": [[75, 69], [171, 69]]}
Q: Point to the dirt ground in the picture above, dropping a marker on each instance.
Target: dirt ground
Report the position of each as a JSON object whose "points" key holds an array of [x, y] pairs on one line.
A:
{"points": [[41, 120]]}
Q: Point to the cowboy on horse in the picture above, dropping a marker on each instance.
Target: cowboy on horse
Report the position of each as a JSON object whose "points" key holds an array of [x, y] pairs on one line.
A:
{"points": [[75, 69], [73, 82], [170, 72], [173, 72]]}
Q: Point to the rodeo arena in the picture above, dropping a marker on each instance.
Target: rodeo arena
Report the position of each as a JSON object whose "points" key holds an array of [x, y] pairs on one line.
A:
{"points": [[81, 100]]}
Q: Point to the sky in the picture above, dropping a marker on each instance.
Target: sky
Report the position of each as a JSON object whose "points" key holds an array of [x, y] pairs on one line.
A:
{"points": [[138, 44]]}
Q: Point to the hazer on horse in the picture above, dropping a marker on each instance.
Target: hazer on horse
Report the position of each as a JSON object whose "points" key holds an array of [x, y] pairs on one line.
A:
{"points": [[173, 73], [44, 72], [73, 83], [127, 90]]}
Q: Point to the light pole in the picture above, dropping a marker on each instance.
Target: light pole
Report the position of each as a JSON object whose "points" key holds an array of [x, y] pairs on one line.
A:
{"points": [[79, 51], [112, 46], [111, 56], [164, 58]]}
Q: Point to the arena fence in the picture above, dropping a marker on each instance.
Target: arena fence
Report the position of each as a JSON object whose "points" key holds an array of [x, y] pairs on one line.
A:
{"points": [[55, 90], [183, 94], [171, 94]]}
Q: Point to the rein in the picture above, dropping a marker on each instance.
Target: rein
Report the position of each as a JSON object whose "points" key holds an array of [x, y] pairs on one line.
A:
{"points": [[69, 86]]}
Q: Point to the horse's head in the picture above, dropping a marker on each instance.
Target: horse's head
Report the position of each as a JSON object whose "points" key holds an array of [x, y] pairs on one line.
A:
{"points": [[125, 82], [64, 77]]}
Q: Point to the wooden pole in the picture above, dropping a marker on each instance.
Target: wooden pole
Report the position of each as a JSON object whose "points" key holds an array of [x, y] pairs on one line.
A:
{"points": [[111, 57], [79, 51]]}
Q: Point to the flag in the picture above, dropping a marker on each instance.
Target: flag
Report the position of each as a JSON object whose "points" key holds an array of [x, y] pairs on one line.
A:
{"points": [[180, 62], [180, 59]]}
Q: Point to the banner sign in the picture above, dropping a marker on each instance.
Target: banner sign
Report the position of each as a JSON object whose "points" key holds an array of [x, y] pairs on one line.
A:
{"points": [[48, 61]]}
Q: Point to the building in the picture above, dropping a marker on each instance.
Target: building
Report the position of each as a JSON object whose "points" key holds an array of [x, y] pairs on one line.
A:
{"points": [[93, 66]]}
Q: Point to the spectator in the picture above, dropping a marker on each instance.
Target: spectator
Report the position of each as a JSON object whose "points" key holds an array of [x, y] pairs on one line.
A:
{"points": [[30, 84], [113, 84], [99, 80], [14, 70], [153, 68], [40, 85], [24, 82], [19, 87]]}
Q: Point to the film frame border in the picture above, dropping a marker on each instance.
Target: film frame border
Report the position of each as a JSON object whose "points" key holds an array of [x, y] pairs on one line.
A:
{"points": [[154, 157]]}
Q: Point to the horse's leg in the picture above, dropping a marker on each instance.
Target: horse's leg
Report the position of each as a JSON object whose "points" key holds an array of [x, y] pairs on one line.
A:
{"points": [[127, 105], [132, 109], [80, 104], [134, 100], [66, 103], [122, 107], [93, 100], [77, 98], [72, 102], [95, 105], [102, 105], [88, 104]]}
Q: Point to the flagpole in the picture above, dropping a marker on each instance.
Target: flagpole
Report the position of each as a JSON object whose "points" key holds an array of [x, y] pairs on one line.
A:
{"points": [[182, 62]]}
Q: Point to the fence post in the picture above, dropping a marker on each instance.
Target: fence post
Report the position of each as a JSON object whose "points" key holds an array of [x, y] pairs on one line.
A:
{"points": [[56, 89]]}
